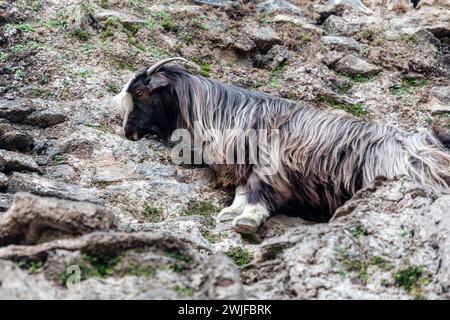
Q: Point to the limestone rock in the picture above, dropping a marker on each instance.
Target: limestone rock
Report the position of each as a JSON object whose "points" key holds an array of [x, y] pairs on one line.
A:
{"points": [[352, 65], [50, 188], [14, 161], [32, 219]]}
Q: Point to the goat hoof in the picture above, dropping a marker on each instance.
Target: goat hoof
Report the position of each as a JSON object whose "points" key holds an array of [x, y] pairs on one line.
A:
{"points": [[245, 225], [228, 214]]}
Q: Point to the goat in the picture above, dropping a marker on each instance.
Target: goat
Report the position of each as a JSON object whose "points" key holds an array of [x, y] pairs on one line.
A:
{"points": [[323, 157]]}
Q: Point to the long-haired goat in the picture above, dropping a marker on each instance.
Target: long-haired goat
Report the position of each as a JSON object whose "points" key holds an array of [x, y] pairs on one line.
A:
{"points": [[323, 157]]}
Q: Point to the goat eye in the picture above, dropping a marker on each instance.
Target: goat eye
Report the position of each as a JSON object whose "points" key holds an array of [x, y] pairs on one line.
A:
{"points": [[139, 93]]}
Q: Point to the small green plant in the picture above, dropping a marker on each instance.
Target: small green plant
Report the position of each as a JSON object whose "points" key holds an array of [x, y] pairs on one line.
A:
{"points": [[204, 70], [24, 27], [80, 34], [112, 88], [36, 6], [20, 73], [54, 23], [166, 21], [240, 256], [99, 265], [83, 73], [87, 48], [412, 40], [23, 47], [33, 266], [152, 213], [361, 78], [186, 37], [408, 278], [58, 159], [356, 109], [139, 270], [357, 231], [344, 88], [305, 37], [409, 86], [181, 261], [211, 237], [3, 56], [202, 208], [184, 291]]}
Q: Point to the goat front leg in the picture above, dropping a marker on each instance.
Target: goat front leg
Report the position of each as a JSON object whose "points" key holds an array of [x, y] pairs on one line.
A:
{"points": [[255, 211], [236, 208]]}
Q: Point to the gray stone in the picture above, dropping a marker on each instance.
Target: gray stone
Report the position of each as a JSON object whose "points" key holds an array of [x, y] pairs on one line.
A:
{"points": [[16, 141], [352, 65], [442, 93], [335, 25], [15, 110], [45, 118], [271, 6], [264, 37], [339, 6], [14, 161], [342, 42], [51, 188], [38, 219], [235, 4]]}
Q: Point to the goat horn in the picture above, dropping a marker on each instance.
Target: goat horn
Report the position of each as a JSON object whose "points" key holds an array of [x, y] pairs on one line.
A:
{"points": [[158, 65]]}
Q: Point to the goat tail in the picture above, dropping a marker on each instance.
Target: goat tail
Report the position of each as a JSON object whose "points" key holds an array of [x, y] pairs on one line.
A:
{"points": [[429, 161]]}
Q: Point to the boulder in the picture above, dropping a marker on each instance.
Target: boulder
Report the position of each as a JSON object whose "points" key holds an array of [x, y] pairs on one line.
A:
{"points": [[3, 181], [271, 6], [45, 118], [15, 110], [32, 219], [235, 4], [14, 161], [352, 65], [264, 37], [6, 200], [342, 42]]}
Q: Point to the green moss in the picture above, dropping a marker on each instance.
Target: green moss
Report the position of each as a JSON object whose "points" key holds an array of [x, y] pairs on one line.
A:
{"points": [[409, 86], [344, 88], [184, 291], [412, 40], [58, 159], [357, 231], [356, 109], [3, 56], [181, 261], [112, 88], [211, 237], [166, 21], [276, 251], [99, 265], [140, 270], [408, 278], [23, 47], [152, 213], [24, 27], [360, 78], [202, 208], [80, 34], [33, 266], [240, 256], [204, 70]]}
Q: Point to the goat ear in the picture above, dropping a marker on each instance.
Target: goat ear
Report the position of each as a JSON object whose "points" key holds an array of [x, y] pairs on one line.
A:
{"points": [[157, 82]]}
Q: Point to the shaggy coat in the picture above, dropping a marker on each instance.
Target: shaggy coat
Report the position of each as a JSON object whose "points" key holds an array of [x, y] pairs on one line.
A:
{"points": [[323, 157]]}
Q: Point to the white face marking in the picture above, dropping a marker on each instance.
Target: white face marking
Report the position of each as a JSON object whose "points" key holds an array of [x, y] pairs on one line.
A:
{"points": [[124, 102]]}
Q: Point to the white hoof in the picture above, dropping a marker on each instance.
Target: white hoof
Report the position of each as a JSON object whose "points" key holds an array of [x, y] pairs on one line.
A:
{"points": [[245, 225], [251, 219], [228, 213]]}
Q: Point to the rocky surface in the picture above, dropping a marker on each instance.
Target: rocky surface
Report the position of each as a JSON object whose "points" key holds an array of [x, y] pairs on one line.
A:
{"points": [[104, 217]]}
